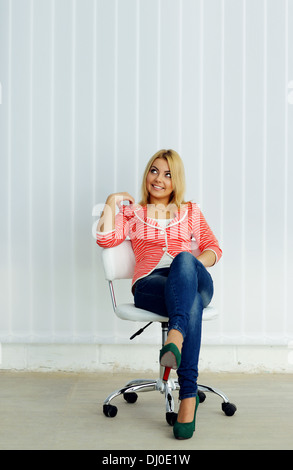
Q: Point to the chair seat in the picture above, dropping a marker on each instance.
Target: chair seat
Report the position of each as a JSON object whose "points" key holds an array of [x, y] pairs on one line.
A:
{"points": [[132, 313]]}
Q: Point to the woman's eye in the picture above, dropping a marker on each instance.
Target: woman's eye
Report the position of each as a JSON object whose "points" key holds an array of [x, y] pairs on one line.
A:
{"points": [[154, 170]]}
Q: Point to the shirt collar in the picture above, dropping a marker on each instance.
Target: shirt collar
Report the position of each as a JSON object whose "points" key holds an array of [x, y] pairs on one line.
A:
{"points": [[141, 213]]}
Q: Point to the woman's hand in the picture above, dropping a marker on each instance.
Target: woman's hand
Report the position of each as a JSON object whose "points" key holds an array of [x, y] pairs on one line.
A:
{"points": [[107, 219], [118, 198]]}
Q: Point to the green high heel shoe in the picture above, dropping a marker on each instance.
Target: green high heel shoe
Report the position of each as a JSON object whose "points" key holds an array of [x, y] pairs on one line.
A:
{"points": [[185, 430], [170, 356]]}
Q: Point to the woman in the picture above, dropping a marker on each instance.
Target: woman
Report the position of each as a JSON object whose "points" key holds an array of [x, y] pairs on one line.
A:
{"points": [[168, 278]]}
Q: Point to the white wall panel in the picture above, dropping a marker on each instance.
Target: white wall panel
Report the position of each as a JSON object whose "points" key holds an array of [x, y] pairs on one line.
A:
{"points": [[20, 218], [288, 135], [5, 173], [127, 91], [252, 254], [90, 90], [190, 98], [148, 84], [275, 164], [232, 183], [40, 161]]}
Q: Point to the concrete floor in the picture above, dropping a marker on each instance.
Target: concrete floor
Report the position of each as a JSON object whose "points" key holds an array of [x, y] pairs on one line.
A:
{"points": [[64, 411]]}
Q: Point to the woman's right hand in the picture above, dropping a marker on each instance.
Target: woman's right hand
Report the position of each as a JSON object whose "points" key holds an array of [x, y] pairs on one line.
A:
{"points": [[118, 198], [107, 219]]}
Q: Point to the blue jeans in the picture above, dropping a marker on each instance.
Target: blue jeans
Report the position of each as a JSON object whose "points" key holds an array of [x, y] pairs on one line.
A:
{"points": [[180, 293]]}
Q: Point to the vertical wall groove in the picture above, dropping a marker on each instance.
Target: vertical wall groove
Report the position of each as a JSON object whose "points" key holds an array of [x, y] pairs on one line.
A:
{"points": [[30, 171], [158, 74], [52, 168], [286, 131], [94, 157], [116, 77], [201, 93], [73, 175], [137, 100], [222, 156], [9, 172], [180, 63], [243, 169], [264, 208]]}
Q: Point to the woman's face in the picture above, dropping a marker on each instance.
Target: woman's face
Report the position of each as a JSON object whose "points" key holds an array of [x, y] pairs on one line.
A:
{"points": [[159, 182]]}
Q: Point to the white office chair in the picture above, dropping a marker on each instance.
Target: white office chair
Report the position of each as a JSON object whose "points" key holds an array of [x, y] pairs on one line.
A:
{"points": [[119, 263]]}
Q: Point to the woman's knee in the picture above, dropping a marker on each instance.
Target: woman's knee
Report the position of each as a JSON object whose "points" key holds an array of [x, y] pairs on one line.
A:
{"points": [[185, 258], [183, 272], [186, 261]]}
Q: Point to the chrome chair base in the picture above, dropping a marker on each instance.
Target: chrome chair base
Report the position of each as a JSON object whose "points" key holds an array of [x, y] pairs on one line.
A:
{"points": [[131, 388], [129, 392], [166, 387]]}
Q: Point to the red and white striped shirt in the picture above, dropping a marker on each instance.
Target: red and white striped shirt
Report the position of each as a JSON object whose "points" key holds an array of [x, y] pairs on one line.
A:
{"points": [[150, 241]]}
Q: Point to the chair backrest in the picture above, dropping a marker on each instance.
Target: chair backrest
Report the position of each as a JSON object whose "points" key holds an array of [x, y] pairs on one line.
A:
{"points": [[119, 261]]}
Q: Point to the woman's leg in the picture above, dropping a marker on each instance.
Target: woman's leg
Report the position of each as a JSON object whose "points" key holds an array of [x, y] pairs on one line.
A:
{"points": [[187, 278], [149, 292], [189, 288], [180, 293], [188, 282]]}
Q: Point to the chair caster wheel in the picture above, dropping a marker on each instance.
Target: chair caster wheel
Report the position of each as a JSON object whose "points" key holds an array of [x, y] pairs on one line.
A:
{"points": [[171, 418], [110, 411], [229, 409], [201, 396], [130, 397]]}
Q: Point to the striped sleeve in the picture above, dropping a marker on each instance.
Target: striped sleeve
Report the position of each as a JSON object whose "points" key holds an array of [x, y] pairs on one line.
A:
{"points": [[117, 235], [203, 234]]}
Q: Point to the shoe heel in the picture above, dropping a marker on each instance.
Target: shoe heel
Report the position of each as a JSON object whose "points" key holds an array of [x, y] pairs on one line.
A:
{"points": [[170, 356], [166, 374]]}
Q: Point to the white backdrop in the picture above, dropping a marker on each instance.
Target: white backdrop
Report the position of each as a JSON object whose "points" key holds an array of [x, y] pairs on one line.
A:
{"points": [[90, 89]]}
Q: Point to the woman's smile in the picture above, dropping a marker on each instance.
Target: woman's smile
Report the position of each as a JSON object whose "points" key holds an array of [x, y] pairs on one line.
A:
{"points": [[157, 188]]}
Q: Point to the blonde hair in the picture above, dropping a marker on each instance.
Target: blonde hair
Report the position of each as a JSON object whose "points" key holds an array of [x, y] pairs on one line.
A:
{"points": [[177, 174]]}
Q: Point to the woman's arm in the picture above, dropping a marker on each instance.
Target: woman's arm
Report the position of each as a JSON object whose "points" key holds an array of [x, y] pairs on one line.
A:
{"points": [[107, 219], [207, 258], [207, 242]]}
